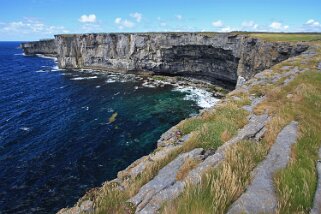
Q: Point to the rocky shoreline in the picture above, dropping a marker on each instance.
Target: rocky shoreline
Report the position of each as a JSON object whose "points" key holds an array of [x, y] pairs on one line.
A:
{"points": [[165, 186]]}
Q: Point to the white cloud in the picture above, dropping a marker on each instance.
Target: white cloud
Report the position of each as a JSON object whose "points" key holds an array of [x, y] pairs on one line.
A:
{"points": [[137, 16], [313, 23], [88, 18], [123, 23], [163, 24], [128, 24], [118, 20], [179, 17], [278, 26], [249, 25], [227, 29], [218, 23], [30, 26]]}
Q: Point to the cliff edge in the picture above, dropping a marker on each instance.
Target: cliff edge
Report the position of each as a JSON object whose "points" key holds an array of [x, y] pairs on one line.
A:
{"points": [[218, 58]]}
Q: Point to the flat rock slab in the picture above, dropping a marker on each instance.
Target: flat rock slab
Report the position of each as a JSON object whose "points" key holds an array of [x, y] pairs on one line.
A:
{"points": [[317, 198], [260, 196], [319, 66], [165, 178]]}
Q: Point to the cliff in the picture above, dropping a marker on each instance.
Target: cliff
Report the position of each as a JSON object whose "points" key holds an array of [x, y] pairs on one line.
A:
{"points": [[46, 47], [216, 58], [244, 155]]}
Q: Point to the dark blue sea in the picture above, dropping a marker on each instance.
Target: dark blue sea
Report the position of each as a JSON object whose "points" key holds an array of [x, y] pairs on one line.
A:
{"points": [[56, 137]]}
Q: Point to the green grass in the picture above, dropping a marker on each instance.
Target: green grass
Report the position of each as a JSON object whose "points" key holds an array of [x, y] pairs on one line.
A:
{"points": [[297, 183], [287, 37], [209, 128]]}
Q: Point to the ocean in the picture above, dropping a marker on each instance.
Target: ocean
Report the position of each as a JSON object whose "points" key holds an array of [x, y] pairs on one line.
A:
{"points": [[64, 132]]}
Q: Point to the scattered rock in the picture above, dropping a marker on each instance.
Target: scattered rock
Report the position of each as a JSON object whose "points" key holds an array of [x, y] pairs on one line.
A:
{"points": [[240, 81]]}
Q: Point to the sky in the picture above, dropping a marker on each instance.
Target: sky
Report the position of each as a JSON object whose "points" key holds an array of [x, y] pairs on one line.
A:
{"points": [[25, 20]]}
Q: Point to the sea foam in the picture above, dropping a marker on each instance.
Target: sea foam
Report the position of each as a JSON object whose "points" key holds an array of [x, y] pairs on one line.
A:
{"points": [[203, 98]]}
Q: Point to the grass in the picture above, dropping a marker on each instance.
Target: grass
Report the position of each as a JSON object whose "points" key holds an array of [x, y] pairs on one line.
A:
{"points": [[287, 37], [300, 101], [187, 166], [222, 185], [297, 183], [111, 199], [213, 128]]}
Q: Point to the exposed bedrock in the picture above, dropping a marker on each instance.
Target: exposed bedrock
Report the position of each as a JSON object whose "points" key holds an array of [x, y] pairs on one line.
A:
{"points": [[206, 56], [46, 47]]}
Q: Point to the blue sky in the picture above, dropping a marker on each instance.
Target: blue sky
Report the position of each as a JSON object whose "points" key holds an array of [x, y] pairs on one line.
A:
{"points": [[37, 19]]}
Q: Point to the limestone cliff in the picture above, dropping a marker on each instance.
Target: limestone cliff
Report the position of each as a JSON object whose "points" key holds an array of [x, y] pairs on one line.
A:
{"points": [[214, 57], [46, 47]]}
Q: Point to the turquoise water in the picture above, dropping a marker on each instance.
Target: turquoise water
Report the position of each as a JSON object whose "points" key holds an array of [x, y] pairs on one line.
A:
{"points": [[56, 139]]}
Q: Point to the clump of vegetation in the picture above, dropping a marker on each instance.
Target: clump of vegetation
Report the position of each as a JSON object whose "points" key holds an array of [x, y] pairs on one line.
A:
{"points": [[210, 126], [187, 166], [112, 118]]}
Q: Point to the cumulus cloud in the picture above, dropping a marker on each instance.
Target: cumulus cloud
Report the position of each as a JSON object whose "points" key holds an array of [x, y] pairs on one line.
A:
{"points": [[91, 18], [218, 23], [118, 20], [227, 29], [278, 26], [249, 25], [221, 27], [137, 16], [31, 26], [123, 23], [313, 23]]}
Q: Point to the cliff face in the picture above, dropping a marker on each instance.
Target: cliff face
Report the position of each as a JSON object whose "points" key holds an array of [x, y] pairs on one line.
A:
{"points": [[46, 47], [212, 57]]}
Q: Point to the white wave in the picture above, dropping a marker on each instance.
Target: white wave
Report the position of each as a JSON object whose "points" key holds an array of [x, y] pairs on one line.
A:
{"points": [[84, 78], [148, 85], [110, 81], [25, 129], [98, 86], [55, 68], [20, 54], [42, 71], [203, 98], [47, 57]]}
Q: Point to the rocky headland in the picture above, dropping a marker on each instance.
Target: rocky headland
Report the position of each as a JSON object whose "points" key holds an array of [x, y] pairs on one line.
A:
{"points": [[222, 158], [214, 57]]}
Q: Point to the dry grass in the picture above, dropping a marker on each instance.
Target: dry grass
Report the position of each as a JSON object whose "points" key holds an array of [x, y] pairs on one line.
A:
{"points": [[225, 136], [222, 185], [188, 165]]}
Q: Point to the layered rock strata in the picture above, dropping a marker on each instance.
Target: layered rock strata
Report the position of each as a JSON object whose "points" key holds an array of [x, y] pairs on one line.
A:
{"points": [[213, 57]]}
